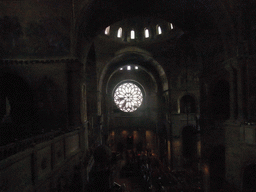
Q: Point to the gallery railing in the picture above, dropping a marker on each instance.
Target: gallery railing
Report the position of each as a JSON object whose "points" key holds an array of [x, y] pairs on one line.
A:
{"points": [[21, 145]]}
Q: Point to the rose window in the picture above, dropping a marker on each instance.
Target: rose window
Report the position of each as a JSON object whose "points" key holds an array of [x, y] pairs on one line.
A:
{"points": [[128, 97]]}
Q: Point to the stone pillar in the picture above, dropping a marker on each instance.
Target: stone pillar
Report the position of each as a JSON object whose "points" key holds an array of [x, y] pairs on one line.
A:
{"points": [[74, 68], [241, 112]]}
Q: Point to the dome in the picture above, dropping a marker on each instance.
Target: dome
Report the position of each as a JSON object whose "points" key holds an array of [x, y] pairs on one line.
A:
{"points": [[141, 29]]}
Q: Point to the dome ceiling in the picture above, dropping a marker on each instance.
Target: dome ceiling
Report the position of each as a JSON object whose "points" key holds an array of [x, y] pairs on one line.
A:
{"points": [[141, 29]]}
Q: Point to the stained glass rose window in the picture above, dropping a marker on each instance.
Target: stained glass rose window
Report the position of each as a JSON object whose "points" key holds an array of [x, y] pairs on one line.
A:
{"points": [[128, 97]]}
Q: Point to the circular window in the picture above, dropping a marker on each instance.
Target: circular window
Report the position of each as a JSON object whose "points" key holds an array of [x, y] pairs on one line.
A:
{"points": [[128, 97]]}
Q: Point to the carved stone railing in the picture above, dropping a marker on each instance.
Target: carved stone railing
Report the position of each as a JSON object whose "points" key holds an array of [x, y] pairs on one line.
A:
{"points": [[18, 146], [41, 163]]}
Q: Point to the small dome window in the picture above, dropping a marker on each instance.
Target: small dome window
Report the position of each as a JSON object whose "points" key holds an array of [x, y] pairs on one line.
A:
{"points": [[119, 33], [146, 33], [159, 30], [107, 30], [132, 34], [171, 26]]}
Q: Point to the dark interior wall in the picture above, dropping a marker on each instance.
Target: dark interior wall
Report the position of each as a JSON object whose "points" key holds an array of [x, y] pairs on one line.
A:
{"points": [[35, 28], [37, 93]]}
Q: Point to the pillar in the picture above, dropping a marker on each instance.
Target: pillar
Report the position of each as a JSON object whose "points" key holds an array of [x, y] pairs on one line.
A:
{"points": [[241, 112]]}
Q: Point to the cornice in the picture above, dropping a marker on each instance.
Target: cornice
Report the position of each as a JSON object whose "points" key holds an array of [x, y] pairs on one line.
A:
{"points": [[36, 61]]}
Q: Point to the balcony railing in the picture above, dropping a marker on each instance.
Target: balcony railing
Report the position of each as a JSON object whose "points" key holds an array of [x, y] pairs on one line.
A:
{"points": [[21, 145]]}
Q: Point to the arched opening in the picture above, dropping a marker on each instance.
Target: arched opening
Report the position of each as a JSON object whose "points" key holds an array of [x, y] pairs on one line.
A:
{"points": [[189, 145], [249, 178], [187, 104]]}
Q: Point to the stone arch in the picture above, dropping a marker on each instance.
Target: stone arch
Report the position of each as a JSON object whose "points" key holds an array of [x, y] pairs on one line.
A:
{"points": [[141, 58], [145, 61], [192, 98]]}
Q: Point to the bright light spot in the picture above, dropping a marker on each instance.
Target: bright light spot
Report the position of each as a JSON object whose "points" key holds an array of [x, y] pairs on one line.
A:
{"points": [[121, 69], [107, 30], [119, 33], [132, 34], [128, 97], [159, 30], [136, 67], [146, 33], [171, 25], [129, 67]]}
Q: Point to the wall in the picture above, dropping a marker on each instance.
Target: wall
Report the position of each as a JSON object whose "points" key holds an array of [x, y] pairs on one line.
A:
{"points": [[35, 28]]}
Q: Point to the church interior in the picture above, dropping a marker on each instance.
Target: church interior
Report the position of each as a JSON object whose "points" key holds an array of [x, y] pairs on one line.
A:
{"points": [[125, 95]]}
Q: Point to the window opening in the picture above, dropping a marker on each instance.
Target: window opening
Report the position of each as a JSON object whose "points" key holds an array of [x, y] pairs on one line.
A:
{"points": [[136, 67], [107, 30], [132, 34], [128, 97], [159, 30], [119, 33], [129, 67], [171, 25], [146, 33]]}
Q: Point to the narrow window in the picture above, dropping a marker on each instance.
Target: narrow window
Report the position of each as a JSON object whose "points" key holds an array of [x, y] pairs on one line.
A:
{"points": [[171, 25], [129, 67], [119, 33], [146, 33], [159, 30], [132, 34], [107, 30]]}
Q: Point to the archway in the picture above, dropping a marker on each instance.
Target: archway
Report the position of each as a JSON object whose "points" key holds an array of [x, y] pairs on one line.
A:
{"points": [[187, 104]]}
